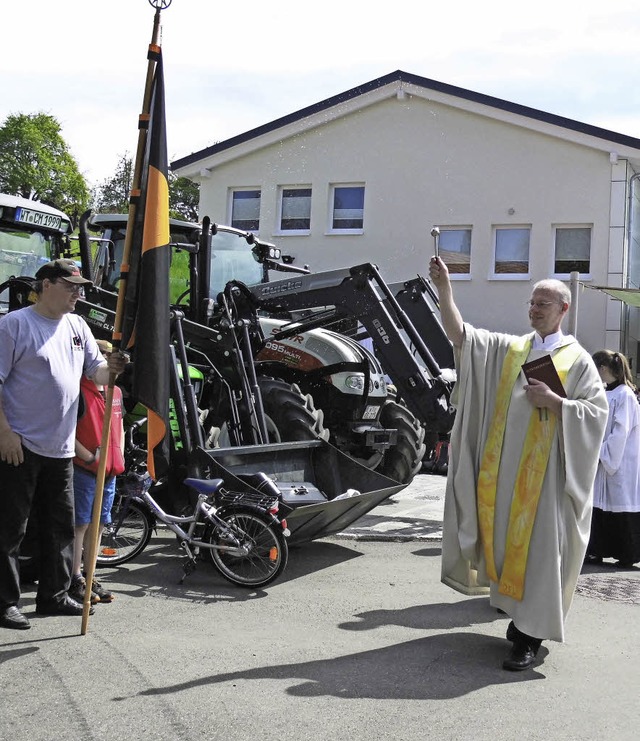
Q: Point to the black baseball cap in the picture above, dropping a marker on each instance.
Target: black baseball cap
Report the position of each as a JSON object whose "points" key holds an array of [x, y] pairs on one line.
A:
{"points": [[62, 268]]}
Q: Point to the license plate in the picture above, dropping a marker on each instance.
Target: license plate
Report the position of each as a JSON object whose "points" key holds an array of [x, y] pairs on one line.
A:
{"points": [[371, 412], [27, 216]]}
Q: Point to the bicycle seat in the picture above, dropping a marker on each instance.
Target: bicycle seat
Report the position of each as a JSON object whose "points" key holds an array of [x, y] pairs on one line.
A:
{"points": [[205, 486]]}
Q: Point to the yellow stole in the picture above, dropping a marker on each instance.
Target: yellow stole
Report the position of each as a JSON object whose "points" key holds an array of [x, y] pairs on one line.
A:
{"points": [[531, 470]]}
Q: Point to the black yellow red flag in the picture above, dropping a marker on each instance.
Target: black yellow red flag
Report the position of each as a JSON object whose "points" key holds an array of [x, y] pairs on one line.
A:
{"points": [[146, 330]]}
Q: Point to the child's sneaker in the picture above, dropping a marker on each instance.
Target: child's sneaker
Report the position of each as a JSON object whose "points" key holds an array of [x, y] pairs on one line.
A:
{"points": [[103, 594], [76, 590]]}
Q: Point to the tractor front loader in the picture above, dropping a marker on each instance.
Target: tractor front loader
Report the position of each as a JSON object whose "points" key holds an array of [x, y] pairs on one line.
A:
{"points": [[314, 379]]}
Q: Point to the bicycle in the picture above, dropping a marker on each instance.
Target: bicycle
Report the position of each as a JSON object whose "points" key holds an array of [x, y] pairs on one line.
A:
{"points": [[240, 531]]}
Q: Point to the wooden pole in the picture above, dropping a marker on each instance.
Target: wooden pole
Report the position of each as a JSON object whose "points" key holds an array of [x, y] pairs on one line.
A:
{"points": [[94, 528]]}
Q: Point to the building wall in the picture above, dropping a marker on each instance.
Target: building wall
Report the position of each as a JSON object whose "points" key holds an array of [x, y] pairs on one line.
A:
{"points": [[424, 163]]}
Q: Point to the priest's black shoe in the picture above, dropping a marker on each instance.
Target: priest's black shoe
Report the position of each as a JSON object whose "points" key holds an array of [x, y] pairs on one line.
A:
{"points": [[11, 617], [65, 606], [521, 657]]}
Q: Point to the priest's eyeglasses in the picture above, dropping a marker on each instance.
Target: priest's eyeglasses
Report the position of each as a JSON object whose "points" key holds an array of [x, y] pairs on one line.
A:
{"points": [[540, 304]]}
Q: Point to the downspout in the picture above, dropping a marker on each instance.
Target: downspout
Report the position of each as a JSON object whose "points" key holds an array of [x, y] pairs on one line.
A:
{"points": [[625, 319], [574, 284]]}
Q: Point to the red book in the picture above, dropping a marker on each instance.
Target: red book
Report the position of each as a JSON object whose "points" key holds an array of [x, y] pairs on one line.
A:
{"points": [[544, 370]]}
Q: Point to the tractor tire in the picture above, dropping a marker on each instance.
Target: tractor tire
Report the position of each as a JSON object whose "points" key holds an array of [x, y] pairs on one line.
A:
{"points": [[403, 461], [291, 415]]}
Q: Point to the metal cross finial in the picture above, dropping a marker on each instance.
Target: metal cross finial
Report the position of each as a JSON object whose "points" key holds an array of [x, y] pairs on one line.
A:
{"points": [[160, 4]]}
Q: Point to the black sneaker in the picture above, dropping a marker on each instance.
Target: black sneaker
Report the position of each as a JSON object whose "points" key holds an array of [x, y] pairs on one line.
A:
{"points": [[103, 595], [77, 589]]}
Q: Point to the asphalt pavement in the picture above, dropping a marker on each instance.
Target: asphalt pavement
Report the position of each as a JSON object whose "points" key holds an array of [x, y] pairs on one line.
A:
{"points": [[358, 639]]}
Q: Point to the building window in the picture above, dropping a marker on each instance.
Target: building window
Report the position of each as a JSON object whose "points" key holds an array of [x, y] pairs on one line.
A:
{"points": [[245, 210], [455, 248], [348, 208], [572, 249], [295, 210], [512, 250]]}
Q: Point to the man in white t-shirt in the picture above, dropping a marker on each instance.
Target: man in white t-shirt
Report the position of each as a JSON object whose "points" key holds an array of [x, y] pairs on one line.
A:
{"points": [[44, 350]]}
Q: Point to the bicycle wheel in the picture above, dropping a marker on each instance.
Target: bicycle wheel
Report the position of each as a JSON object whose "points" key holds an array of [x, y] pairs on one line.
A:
{"points": [[127, 541], [266, 549]]}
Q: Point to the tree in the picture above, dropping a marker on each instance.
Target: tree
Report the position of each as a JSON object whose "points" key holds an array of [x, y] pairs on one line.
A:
{"points": [[112, 195], [184, 196], [35, 162]]}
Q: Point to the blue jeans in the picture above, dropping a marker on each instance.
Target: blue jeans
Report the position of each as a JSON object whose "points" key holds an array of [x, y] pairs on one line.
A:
{"points": [[41, 488], [84, 492]]}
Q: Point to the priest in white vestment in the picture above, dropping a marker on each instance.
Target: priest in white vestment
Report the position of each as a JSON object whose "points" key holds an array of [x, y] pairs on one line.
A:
{"points": [[521, 468]]}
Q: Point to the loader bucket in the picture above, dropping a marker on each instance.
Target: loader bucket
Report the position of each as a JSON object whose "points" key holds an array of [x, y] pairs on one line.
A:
{"points": [[312, 475]]}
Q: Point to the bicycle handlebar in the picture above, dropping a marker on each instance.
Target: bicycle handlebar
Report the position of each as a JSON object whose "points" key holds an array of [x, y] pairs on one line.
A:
{"points": [[132, 451]]}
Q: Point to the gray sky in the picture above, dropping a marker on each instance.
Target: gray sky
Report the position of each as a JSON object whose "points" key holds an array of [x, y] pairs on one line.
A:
{"points": [[230, 67]]}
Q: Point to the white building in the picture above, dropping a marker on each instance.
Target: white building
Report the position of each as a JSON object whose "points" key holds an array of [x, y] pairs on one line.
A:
{"points": [[518, 194]]}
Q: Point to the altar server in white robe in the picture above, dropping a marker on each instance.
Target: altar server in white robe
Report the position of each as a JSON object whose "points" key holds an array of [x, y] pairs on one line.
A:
{"points": [[615, 525], [521, 469]]}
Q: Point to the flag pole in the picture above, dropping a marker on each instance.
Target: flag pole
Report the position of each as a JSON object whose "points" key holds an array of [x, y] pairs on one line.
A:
{"points": [[94, 528]]}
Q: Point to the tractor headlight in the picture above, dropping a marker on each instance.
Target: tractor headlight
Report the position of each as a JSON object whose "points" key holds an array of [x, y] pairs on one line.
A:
{"points": [[355, 382]]}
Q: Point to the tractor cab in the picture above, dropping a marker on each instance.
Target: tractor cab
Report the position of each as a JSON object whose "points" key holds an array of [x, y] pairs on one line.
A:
{"points": [[232, 255], [31, 234]]}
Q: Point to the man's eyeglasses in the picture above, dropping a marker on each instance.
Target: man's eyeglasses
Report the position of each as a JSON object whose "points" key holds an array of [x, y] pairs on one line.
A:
{"points": [[540, 304], [71, 287]]}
